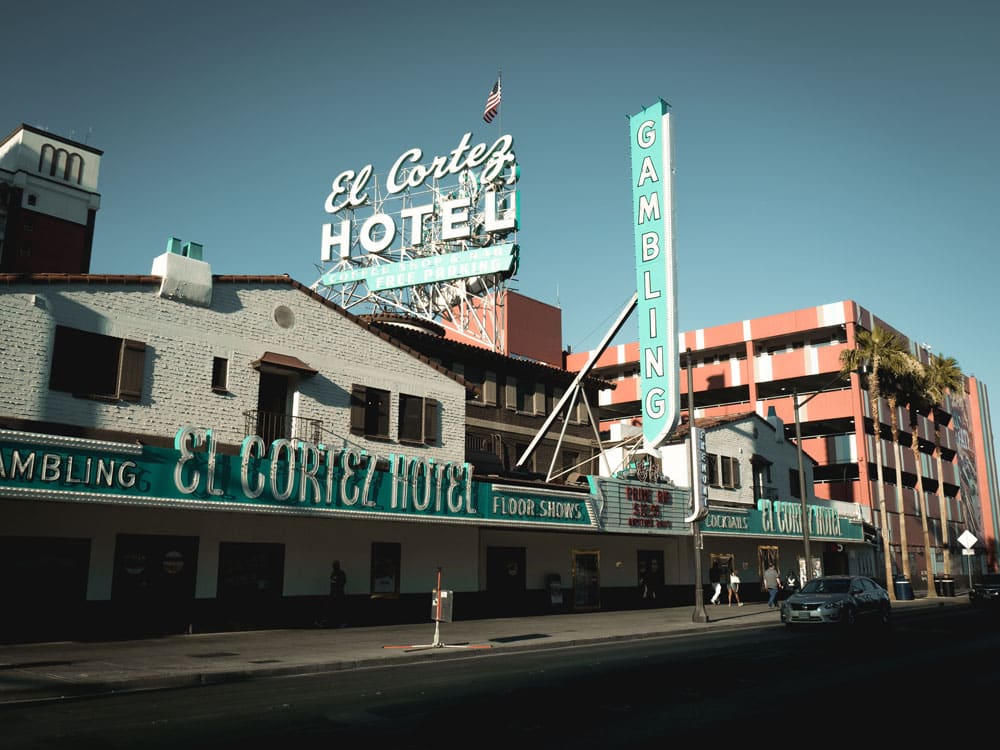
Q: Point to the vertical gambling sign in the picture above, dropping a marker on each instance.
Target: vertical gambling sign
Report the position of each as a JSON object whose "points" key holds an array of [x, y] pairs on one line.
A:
{"points": [[655, 268]]}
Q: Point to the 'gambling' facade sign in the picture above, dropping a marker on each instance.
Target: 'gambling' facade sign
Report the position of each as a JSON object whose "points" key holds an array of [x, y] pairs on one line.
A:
{"points": [[655, 267]]}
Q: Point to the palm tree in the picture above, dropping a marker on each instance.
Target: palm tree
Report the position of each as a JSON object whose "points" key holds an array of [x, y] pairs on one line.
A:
{"points": [[915, 392], [878, 348], [943, 376], [893, 383]]}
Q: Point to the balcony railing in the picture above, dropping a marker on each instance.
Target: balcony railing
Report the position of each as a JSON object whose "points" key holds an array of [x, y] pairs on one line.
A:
{"points": [[484, 444], [485, 452], [274, 426]]}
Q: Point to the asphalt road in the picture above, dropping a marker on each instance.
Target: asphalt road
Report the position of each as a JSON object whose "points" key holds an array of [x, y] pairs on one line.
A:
{"points": [[749, 685]]}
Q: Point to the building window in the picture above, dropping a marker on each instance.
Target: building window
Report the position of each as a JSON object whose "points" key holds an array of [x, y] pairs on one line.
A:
{"points": [[793, 482], [418, 419], [730, 472], [220, 375], [570, 461], [723, 471], [91, 365], [525, 397], [712, 459], [484, 379], [32, 199], [385, 570], [369, 411]]}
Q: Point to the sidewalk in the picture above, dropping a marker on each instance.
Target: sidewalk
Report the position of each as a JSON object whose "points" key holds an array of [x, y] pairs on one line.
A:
{"points": [[46, 671]]}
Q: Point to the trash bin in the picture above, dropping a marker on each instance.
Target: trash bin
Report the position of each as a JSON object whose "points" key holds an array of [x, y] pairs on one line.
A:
{"points": [[947, 587], [903, 589]]}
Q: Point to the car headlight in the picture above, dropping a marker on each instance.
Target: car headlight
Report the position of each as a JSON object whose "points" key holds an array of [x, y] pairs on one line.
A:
{"points": [[833, 605]]}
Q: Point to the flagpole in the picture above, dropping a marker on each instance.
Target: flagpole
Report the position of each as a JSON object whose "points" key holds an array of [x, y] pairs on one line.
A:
{"points": [[500, 89]]}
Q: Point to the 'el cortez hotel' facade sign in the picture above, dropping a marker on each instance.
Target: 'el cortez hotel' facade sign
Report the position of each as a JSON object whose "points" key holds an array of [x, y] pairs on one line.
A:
{"points": [[655, 268]]}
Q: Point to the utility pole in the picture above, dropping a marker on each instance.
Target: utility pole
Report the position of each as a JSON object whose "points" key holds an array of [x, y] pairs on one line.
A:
{"points": [[699, 594]]}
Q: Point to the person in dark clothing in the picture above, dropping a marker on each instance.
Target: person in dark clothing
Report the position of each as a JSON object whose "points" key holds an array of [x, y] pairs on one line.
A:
{"points": [[335, 614], [791, 583]]}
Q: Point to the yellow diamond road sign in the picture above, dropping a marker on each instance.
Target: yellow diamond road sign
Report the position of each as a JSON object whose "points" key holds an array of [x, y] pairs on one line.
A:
{"points": [[968, 539]]}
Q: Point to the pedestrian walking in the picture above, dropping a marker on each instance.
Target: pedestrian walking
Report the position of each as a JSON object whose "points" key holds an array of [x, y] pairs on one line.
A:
{"points": [[791, 582], [772, 582], [734, 588], [715, 578]]}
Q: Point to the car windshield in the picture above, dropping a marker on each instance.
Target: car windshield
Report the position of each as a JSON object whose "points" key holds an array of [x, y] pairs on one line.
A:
{"points": [[827, 586]]}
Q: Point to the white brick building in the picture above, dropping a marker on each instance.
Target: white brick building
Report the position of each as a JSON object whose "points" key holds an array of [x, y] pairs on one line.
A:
{"points": [[116, 365]]}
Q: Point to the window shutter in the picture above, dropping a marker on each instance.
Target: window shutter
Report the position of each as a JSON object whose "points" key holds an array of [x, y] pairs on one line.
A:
{"points": [[383, 414], [539, 400], [431, 427], [490, 388], [510, 393], [131, 370], [411, 418], [736, 473], [358, 397]]}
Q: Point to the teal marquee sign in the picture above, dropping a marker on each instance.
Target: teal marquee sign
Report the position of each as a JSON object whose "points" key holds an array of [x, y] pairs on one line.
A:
{"points": [[782, 519], [296, 477], [288, 476]]}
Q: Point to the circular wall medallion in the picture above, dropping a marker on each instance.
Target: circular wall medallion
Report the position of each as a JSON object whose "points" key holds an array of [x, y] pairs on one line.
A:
{"points": [[284, 316]]}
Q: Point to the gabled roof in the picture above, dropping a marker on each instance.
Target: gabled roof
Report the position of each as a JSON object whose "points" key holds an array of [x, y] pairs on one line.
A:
{"points": [[428, 339], [711, 423], [97, 279], [681, 433]]}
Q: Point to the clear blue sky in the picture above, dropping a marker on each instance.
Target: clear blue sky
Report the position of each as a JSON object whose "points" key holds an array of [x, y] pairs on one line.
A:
{"points": [[823, 151]]}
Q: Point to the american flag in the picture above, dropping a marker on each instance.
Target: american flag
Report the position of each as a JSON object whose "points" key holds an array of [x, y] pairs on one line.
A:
{"points": [[492, 103]]}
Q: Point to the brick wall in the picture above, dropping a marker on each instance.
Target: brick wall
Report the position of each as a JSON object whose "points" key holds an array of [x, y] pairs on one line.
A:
{"points": [[182, 340]]}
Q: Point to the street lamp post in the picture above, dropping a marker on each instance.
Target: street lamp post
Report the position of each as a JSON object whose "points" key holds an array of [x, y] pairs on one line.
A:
{"points": [[699, 614], [802, 479]]}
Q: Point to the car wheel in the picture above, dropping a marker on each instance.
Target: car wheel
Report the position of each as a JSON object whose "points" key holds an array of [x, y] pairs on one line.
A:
{"points": [[850, 617], [884, 617]]}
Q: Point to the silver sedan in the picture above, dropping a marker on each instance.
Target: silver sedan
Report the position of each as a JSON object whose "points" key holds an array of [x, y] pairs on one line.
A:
{"points": [[843, 600]]}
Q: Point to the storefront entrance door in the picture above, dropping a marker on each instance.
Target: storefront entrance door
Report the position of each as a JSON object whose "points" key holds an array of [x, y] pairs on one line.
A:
{"points": [[505, 580], [586, 579]]}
